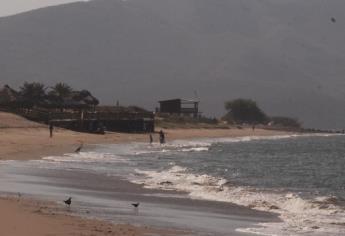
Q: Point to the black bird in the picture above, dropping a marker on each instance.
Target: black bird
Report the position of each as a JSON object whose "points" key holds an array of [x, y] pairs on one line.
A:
{"points": [[68, 201], [333, 20], [79, 148], [136, 204]]}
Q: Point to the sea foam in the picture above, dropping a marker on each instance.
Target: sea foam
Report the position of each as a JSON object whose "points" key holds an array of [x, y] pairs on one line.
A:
{"points": [[314, 216]]}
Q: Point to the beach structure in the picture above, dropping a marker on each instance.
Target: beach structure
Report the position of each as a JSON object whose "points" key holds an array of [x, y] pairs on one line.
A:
{"points": [[94, 121], [180, 106]]}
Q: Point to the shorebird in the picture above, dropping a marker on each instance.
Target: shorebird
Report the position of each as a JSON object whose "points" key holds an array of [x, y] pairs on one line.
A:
{"points": [[68, 201], [79, 148], [136, 208]]}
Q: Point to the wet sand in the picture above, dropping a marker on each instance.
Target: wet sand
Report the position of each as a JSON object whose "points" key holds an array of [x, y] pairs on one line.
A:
{"points": [[27, 217], [109, 198]]}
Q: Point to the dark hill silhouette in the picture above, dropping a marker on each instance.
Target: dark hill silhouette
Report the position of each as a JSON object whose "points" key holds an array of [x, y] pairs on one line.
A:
{"points": [[287, 55]]}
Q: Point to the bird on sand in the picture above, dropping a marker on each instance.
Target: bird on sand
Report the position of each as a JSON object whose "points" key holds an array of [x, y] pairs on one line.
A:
{"points": [[79, 148], [68, 201], [136, 205]]}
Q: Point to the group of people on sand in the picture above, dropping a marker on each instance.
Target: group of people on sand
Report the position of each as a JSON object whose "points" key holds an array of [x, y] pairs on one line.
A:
{"points": [[161, 137]]}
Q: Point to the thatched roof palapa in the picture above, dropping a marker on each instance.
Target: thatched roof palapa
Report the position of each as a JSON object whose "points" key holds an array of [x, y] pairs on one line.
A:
{"points": [[9, 96], [84, 97]]}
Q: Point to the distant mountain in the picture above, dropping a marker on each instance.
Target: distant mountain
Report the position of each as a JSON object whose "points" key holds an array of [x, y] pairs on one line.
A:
{"points": [[286, 54]]}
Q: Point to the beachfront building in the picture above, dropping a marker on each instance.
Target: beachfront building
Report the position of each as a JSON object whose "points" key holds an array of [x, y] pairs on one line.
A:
{"points": [[180, 107]]}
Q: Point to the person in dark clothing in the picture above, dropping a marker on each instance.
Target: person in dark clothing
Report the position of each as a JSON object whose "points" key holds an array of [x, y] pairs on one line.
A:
{"points": [[51, 129], [161, 137], [151, 139]]}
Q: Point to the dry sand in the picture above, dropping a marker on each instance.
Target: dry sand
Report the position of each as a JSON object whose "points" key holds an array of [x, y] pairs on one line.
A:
{"points": [[24, 140]]}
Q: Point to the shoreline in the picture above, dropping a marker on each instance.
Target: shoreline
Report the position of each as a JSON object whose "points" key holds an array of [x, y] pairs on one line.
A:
{"points": [[33, 143], [93, 192]]}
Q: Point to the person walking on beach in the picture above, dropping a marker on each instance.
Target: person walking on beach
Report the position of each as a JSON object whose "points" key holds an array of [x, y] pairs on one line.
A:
{"points": [[161, 137], [51, 129], [151, 138]]}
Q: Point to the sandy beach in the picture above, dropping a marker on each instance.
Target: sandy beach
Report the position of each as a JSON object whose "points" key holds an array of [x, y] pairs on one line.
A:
{"points": [[24, 140]]}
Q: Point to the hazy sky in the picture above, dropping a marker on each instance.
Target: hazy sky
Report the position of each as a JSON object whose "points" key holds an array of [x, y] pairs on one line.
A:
{"points": [[10, 7]]}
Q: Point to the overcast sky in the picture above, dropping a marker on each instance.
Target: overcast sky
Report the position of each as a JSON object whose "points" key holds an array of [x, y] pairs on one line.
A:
{"points": [[11, 7]]}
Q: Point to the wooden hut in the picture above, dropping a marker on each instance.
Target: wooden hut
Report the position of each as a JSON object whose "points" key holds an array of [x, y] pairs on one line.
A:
{"points": [[180, 107]]}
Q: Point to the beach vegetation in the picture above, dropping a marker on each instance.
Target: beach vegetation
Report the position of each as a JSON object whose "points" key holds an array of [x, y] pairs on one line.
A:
{"points": [[36, 94], [59, 93], [61, 90], [178, 121], [287, 122], [9, 97], [244, 111], [33, 94]]}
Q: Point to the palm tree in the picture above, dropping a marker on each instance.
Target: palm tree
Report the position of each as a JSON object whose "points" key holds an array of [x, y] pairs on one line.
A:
{"points": [[59, 93], [62, 90], [33, 94]]}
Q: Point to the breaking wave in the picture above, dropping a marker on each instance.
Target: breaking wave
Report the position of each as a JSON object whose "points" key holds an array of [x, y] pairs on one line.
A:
{"points": [[86, 157], [307, 216]]}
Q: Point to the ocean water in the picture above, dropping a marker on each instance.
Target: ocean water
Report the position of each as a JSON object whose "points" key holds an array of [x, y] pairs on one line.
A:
{"points": [[299, 177]]}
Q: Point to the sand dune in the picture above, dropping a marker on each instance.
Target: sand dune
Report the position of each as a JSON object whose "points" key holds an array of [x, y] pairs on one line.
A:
{"points": [[9, 120]]}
